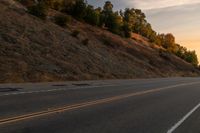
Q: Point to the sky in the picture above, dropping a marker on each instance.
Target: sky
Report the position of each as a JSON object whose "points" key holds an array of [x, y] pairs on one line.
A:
{"points": [[179, 17]]}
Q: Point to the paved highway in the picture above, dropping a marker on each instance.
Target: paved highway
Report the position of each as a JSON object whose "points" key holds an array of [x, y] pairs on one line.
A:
{"points": [[166, 105]]}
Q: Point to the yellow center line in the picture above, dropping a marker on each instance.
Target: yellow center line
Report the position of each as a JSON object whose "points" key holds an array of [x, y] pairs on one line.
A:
{"points": [[85, 104]]}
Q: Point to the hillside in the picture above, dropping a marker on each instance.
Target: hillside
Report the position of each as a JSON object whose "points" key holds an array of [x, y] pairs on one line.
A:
{"points": [[34, 50]]}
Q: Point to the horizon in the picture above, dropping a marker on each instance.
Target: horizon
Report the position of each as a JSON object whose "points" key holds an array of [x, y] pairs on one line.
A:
{"points": [[182, 18]]}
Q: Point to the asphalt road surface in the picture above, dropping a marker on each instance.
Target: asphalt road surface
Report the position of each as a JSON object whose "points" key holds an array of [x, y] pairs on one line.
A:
{"points": [[167, 105]]}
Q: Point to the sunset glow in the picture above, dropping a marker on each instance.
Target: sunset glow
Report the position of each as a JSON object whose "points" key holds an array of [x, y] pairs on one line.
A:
{"points": [[180, 17]]}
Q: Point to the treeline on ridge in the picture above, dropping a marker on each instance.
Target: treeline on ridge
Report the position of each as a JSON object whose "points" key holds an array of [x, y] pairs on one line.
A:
{"points": [[123, 22]]}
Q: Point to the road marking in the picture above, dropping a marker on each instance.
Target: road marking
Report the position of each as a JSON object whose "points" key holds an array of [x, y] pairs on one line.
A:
{"points": [[172, 129], [85, 104]]}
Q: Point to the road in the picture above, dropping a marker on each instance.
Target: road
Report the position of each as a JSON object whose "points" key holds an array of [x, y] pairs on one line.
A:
{"points": [[162, 105]]}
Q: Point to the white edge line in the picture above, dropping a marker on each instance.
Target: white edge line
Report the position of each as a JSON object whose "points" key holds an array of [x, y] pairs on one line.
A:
{"points": [[173, 128]]}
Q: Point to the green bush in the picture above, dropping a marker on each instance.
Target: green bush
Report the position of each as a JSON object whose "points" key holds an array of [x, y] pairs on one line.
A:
{"points": [[40, 10], [191, 57], [126, 30], [92, 16], [78, 9], [62, 20]]}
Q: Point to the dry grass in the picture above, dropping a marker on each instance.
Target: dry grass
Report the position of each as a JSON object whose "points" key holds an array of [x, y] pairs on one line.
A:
{"points": [[33, 50]]}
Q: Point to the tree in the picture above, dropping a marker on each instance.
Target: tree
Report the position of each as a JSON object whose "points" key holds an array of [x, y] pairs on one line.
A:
{"points": [[68, 5], [140, 21], [191, 57], [169, 43], [181, 51], [40, 10], [77, 9], [126, 30], [106, 14], [160, 39], [92, 16], [146, 30], [108, 7], [153, 37], [129, 17], [110, 19], [114, 22]]}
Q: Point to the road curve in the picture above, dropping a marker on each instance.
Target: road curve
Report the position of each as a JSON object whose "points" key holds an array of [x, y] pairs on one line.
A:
{"points": [[164, 105]]}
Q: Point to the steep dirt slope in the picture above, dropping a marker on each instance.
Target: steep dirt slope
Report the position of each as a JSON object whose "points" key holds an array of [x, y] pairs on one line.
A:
{"points": [[33, 50]]}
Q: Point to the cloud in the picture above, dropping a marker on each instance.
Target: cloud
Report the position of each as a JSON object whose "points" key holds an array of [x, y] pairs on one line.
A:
{"points": [[143, 4], [174, 18], [153, 4], [183, 21]]}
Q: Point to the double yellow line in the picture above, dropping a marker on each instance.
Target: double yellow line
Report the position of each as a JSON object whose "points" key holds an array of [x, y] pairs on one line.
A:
{"points": [[85, 104]]}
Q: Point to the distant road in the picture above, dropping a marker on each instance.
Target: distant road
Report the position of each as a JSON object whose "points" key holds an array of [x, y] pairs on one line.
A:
{"points": [[165, 105]]}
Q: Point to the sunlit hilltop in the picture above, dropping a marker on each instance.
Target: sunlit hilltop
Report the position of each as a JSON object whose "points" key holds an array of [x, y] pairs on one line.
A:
{"points": [[168, 16]]}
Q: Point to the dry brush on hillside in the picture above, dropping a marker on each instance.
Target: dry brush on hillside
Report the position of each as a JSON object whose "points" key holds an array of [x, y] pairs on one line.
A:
{"points": [[35, 50]]}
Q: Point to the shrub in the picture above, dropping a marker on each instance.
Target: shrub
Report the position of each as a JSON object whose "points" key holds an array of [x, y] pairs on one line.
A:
{"points": [[85, 41], [75, 33], [57, 6], [62, 20], [191, 57], [78, 9], [40, 10], [126, 30], [92, 17], [26, 2]]}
